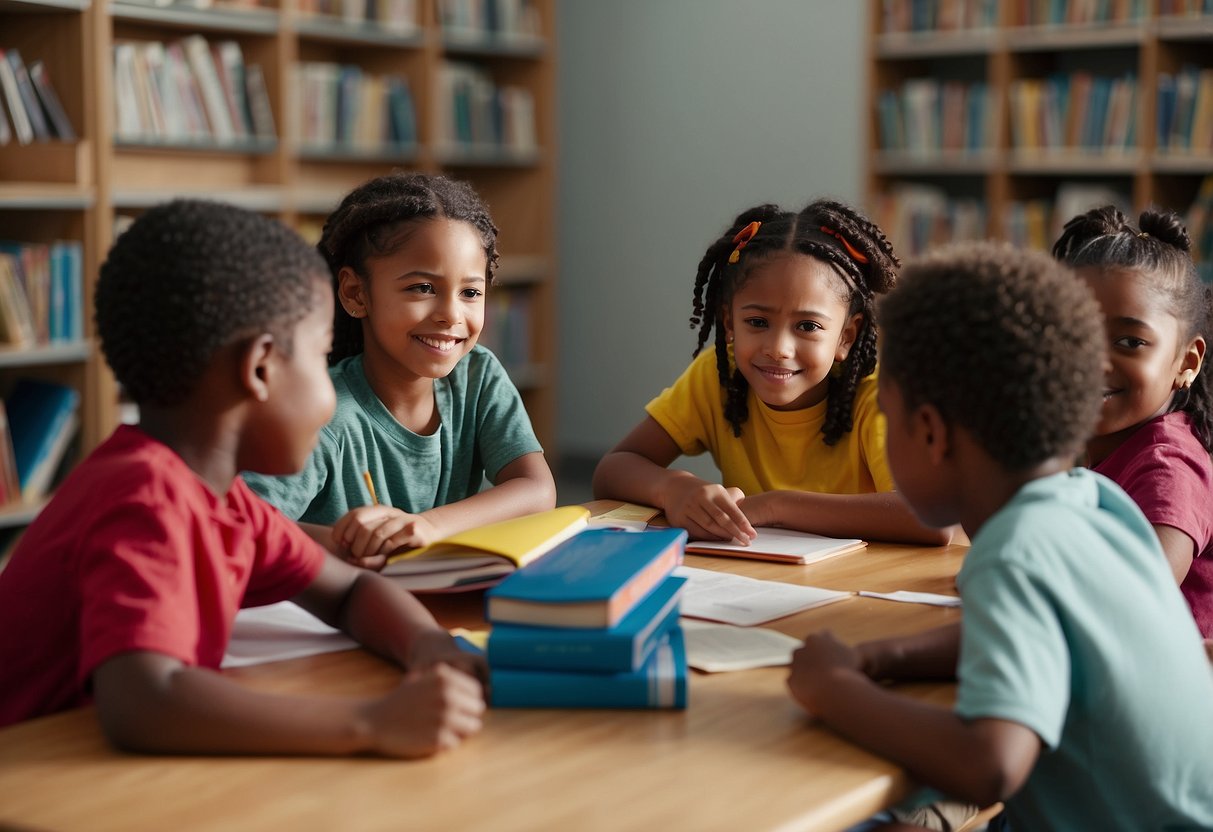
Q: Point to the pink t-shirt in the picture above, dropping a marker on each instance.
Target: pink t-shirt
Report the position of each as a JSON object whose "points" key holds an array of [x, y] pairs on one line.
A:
{"points": [[1168, 473], [135, 552]]}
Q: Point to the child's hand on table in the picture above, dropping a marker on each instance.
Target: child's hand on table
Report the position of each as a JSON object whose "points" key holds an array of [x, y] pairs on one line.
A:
{"points": [[366, 535], [434, 709], [814, 666], [438, 647], [708, 511]]}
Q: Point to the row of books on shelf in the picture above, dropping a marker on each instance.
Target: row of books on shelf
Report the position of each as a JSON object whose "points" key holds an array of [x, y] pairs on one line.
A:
{"points": [[478, 18], [1074, 110], [38, 421], [189, 90], [1185, 110], [342, 106], [477, 114], [966, 15], [508, 326], [926, 115], [1074, 12], [31, 109], [395, 16], [41, 293]]}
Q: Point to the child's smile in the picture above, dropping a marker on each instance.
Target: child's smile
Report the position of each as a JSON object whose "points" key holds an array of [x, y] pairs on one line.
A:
{"points": [[788, 323]]}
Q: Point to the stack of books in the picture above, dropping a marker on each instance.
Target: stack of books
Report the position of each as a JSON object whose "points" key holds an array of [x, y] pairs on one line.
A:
{"points": [[592, 624]]}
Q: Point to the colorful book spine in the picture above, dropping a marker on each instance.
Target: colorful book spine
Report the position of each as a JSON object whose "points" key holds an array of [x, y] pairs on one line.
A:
{"points": [[620, 649], [660, 683]]}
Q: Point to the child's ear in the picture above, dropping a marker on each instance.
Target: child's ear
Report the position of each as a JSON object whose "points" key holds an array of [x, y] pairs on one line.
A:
{"points": [[256, 368], [929, 424], [846, 338], [1190, 363], [351, 292], [726, 321]]}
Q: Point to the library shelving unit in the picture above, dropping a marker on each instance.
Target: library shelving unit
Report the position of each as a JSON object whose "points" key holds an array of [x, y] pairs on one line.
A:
{"points": [[86, 189], [1002, 118]]}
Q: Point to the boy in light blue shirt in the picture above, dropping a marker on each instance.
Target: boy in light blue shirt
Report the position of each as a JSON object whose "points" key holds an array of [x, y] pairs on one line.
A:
{"points": [[1083, 688]]}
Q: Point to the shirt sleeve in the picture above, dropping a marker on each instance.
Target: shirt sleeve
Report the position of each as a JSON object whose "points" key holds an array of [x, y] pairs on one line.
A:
{"points": [[503, 431], [1172, 489], [133, 596], [294, 494], [288, 560], [1014, 660], [684, 410]]}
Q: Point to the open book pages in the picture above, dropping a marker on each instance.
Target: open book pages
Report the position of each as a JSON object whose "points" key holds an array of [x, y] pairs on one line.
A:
{"points": [[627, 516], [717, 648], [782, 545], [733, 599]]}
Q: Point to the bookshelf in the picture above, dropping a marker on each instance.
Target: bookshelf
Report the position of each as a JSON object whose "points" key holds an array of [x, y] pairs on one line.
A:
{"points": [[130, 154], [1003, 118]]}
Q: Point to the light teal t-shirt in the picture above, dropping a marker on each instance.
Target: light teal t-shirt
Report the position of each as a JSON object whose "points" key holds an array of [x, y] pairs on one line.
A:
{"points": [[1075, 628], [484, 427]]}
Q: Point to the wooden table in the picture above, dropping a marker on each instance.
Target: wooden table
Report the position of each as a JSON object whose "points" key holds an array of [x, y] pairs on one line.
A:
{"points": [[742, 756]]}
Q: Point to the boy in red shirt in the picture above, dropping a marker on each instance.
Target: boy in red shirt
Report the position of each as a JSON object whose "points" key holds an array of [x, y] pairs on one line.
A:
{"points": [[217, 322]]}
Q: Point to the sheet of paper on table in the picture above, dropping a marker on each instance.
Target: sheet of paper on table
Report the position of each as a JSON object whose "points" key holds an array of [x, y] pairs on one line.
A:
{"points": [[734, 599]]}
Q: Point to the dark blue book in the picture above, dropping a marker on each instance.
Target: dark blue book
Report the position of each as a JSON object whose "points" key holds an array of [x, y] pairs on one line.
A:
{"points": [[620, 649], [42, 417], [591, 580], [660, 683]]}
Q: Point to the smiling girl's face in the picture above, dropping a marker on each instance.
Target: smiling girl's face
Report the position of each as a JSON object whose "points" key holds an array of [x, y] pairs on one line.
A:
{"points": [[788, 324], [1147, 352]]}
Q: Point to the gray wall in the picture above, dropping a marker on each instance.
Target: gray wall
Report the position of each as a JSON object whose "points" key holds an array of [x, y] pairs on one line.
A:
{"points": [[674, 116]]}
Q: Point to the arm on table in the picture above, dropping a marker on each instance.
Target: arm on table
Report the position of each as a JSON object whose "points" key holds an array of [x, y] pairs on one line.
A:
{"points": [[880, 516], [637, 471]]}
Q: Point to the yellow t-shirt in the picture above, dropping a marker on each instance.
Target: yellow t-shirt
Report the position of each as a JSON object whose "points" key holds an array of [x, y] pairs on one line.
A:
{"points": [[778, 449]]}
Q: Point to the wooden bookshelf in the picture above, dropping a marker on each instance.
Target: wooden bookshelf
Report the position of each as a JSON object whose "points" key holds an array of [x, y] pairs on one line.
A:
{"points": [[924, 189], [53, 190]]}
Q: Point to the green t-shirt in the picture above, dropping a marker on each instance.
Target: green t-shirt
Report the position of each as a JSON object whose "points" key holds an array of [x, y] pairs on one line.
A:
{"points": [[1074, 627], [484, 428]]}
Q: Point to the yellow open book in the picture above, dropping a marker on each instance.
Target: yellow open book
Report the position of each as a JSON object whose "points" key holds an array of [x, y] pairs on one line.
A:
{"points": [[482, 556]]}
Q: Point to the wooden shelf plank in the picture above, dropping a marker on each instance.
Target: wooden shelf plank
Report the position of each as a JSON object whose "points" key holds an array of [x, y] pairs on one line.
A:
{"points": [[522, 270], [266, 199], [400, 155], [258, 21], [1095, 36], [71, 352], [336, 30], [248, 147], [43, 196], [490, 45], [936, 44], [1076, 163], [935, 163], [39, 6], [1186, 28]]}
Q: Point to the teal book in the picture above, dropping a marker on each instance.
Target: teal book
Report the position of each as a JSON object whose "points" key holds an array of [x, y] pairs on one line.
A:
{"points": [[660, 683], [42, 417], [620, 649], [591, 580]]}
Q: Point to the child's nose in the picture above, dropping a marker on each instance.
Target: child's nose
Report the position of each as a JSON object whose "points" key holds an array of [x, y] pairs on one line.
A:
{"points": [[781, 344], [447, 310]]}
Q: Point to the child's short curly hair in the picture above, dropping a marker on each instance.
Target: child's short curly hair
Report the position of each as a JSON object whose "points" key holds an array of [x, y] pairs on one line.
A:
{"points": [[189, 277], [1005, 343]]}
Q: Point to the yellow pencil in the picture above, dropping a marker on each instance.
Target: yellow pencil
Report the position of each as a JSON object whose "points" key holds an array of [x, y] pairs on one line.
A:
{"points": [[370, 486]]}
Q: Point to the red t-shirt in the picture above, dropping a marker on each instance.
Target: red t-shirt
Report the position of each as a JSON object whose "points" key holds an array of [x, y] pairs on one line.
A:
{"points": [[135, 552], [1168, 473]]}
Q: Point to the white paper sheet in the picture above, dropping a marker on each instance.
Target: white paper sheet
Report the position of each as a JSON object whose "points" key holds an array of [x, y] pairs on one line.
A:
{"points": [[733, 599], [717, 648], [279, 632], [908, 597]]}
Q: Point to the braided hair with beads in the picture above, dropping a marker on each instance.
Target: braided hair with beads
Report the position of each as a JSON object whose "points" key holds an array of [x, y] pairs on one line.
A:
{"points": [[1159, 249], [369, 223], [830, 231]]}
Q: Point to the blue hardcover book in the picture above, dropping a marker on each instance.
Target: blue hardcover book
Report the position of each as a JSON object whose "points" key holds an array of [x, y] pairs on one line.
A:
{"points": [[620, 649], [591, 580], [660, 683], [42, 419]]}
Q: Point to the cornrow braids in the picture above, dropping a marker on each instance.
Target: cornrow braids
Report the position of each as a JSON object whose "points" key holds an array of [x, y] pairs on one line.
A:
{"points": [[1159, 248], [190, 277], [717, 281], [368, 223]]}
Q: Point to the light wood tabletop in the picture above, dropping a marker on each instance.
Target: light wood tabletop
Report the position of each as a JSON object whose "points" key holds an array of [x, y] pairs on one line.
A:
{"points": [[742, 756]]}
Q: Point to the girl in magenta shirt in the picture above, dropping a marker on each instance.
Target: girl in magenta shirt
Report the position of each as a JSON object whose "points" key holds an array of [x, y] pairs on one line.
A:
{"points": [[1155, 430]]}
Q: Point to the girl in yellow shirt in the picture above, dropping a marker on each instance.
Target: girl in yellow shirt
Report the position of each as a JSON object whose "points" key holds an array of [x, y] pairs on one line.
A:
{"points": [[786, 403]]}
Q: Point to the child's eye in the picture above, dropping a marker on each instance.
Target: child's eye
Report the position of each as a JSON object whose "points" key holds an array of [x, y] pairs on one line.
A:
{"points": [[421, 288], [809, 326], [471, 293], [757, 323], [1128, 342]]}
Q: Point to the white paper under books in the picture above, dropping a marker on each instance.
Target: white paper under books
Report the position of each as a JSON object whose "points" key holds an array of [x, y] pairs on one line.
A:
{"points": [[717, 648], [784, 545], [905, 596], [733, 599], [278, 632]]}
